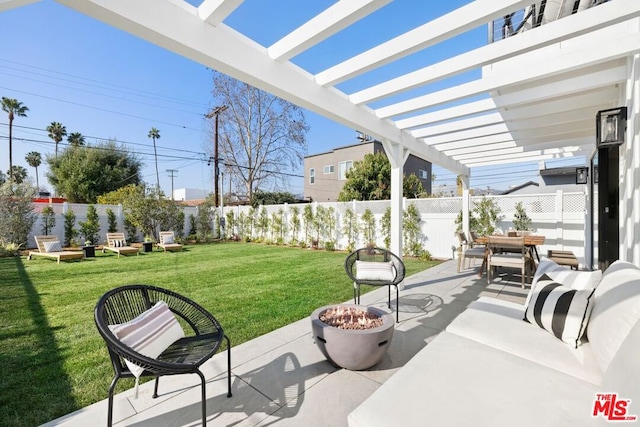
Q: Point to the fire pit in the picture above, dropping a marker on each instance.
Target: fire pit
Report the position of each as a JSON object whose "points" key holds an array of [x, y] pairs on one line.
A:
{"points": [[352, 336]]}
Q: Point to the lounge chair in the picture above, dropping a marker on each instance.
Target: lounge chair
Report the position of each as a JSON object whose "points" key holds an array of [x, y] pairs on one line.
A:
{"points": [[116, 242], [50, 247], [167, 241]]}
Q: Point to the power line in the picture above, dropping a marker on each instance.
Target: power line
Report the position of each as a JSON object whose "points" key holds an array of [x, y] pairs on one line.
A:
{"points": [[100, 109], [96, 83], [99, 138]]}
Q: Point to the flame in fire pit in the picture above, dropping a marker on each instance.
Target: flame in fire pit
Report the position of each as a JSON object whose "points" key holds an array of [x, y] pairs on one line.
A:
{"points": [[350, 318]]}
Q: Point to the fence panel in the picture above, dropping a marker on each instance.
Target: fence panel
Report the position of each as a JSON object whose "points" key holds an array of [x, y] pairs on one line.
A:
{"points": [[558, 216]]}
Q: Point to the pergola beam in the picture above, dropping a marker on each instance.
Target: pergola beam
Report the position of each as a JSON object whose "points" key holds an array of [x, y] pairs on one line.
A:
{"points": [[589, 20], [322, 26], [557, 61], [223, 49], [459, 21], [215, 11], [12, 4]]}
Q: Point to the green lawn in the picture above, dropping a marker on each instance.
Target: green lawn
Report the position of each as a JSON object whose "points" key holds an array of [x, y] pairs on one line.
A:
{"points": [[53, 360]]}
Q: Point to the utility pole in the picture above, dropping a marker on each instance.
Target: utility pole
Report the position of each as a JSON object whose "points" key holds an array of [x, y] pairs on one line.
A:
{"points": [[216, 168], [172, 175]]}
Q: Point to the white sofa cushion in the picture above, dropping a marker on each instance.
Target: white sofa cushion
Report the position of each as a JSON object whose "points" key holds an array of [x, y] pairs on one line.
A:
{"points": [[560, 310], [498, 323], [455, 381], [615, 312], [624, 371]]}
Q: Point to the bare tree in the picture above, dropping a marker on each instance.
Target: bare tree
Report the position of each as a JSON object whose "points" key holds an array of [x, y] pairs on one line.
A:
{"points": [[261, 136]]}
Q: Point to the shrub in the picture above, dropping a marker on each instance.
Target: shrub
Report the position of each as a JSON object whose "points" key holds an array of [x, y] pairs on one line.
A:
{"points": [[487, 214], [9, 250], [204, 220], [369, 226], [350, 228], [48, 220], [90, 228], [113, 223], [521, 220], [385, 224], [193, 227], [16, 213], [411, 231], [295, 224], [130, 229], [69, 231]]}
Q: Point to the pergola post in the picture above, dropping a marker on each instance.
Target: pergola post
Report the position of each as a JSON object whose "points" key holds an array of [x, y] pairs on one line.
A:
{"points": [[397, 156], [466, 204]]}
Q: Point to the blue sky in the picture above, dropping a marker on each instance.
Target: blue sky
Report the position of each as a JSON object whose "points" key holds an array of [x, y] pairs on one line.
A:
{"points": [[107, 84]]}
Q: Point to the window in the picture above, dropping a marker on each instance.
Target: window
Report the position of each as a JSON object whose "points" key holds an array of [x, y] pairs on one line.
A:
{"points": [[329, 169], [344, 167], [312, 176], [423, 174]]}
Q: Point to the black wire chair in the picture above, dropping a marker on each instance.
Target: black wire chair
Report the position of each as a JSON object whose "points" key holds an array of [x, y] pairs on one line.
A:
{"points": [[375, 255], [185, 356]]}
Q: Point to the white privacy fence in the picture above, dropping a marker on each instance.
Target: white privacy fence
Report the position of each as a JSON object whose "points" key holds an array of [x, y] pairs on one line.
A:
{"points": [[560, 217], [80, 212]]}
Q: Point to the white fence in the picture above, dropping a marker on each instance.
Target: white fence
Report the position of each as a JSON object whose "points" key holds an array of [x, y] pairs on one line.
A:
{"points": [[560, 217]]}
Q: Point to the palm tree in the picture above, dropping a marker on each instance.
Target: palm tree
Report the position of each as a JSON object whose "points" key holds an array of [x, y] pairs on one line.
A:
{"points": [[155, 134], [15, 109], [19, 173], [34, 159], [57, 132], [76, 139]]}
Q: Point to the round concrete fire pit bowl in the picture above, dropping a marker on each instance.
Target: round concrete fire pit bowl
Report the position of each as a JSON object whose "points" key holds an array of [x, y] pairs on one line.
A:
{"points": [[354, 349]]}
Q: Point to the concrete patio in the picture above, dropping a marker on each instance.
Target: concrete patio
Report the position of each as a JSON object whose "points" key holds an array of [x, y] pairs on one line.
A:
{"points": [[282, 378]]}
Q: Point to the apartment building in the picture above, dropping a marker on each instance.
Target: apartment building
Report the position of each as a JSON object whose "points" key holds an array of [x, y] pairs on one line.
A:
{"points": [[325, 173]]}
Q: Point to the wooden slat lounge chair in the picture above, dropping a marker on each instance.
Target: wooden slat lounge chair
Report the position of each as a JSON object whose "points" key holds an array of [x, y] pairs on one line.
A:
{"points": [[167, 241], [45, 242], [116, 242]]}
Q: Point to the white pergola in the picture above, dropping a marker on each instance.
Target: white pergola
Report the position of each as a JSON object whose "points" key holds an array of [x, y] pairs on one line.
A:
{"points": [[536, 97]]}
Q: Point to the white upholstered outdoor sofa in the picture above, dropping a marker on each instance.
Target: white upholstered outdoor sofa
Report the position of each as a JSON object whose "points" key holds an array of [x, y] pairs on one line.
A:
{"points": [[492, 368]]}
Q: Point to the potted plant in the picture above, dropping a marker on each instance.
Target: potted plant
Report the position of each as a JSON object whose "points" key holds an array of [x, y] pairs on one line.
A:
{"points": [[89, 249], [147, 245]]}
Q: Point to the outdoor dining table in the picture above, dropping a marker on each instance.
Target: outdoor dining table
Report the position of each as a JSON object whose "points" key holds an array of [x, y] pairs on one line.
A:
{"points": [[531, 241]]}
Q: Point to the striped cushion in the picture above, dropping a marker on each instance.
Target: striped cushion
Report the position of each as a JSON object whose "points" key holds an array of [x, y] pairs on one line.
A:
{"points": [[560, 310], [53, 246], [376, 271], [118, 243], [150, 333]]}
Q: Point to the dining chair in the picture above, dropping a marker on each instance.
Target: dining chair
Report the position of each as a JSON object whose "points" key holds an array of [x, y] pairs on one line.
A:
{"points": [[469, 252], [507, 252]]}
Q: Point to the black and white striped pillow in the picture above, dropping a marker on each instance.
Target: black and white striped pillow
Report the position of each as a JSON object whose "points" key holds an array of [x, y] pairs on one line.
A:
{"points": [[118, 243], [560, 310]]}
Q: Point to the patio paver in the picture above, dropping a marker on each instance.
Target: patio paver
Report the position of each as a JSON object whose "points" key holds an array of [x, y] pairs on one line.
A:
{"points": [[282, 378]]}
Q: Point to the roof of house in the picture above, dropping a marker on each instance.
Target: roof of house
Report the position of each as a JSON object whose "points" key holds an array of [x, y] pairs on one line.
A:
{"points": [[520, 187]]}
